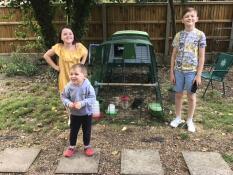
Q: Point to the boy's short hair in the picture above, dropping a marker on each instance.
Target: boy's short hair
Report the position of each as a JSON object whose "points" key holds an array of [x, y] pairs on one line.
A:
{"points": [[188, 9], [82, 67]]}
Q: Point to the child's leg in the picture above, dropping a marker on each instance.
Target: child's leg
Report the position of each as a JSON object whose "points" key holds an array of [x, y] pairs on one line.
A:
{"points": [[86, 127], [189, 78], [192, 104], [74, 128], [75, 123], [191, 101], [178, 103], [179, 88]]}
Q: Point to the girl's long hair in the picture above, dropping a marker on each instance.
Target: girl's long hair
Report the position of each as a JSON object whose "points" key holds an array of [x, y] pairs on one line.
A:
{"points": [[60, 31]]}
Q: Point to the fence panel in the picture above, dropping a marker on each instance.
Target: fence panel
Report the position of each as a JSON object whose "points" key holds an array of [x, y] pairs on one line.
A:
{"points": [[215, 19]]}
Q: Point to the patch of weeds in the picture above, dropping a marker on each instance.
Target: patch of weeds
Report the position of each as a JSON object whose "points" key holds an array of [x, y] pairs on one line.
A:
{"points": [[19, 64], [213, 95], [62, 125], [27, 128], [24, 110], [184, 136], [228, 158], [217, 113], [2, 65]]}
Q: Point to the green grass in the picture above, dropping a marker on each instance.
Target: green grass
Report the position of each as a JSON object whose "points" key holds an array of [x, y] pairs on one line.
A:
{"points": [[228, 158], [184, 136], [29, 111], [39, 108], [216, 112]]}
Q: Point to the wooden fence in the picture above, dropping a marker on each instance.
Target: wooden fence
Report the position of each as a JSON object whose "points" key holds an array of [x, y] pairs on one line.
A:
{"points": [[215, 19]]}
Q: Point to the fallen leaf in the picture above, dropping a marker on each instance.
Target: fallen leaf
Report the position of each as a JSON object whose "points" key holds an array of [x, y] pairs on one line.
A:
{"points": [[114, 153], [124, 128]]}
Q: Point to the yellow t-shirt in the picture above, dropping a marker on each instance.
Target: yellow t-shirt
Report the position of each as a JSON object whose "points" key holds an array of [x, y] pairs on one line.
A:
{"points": [[67, 58]]}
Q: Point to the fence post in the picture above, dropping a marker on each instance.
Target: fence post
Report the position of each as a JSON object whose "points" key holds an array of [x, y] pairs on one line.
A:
{"points": [[168, 27], [231, 38], [104, 22]]}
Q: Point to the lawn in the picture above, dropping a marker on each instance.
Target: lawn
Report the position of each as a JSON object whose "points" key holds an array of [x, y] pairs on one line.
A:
{"points": [[31, 114]]}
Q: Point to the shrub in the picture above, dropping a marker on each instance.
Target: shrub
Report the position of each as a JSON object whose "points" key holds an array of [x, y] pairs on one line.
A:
{"points": [[2, 65], [19, 64]]}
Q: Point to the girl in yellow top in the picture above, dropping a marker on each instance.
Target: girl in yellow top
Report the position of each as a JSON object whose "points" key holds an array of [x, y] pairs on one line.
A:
{"points": [[69, 51]]}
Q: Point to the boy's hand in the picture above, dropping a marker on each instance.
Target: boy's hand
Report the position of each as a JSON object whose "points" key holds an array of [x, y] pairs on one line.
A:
{"points": [[71, 105], [198, 80], [172, 77], [77, 105]]}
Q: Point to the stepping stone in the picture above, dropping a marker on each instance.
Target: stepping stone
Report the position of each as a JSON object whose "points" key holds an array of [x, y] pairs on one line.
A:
{"points": [[203, 163], [79, 163], [17, 159], [141, 162]]}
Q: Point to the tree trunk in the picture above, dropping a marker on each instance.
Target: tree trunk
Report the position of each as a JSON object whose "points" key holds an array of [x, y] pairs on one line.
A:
{"points": [[173, 18], [43, 15]]}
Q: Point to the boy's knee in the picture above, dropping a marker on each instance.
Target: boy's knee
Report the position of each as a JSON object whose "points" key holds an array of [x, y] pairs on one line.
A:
{"points": [[179, 96], [191, 97]]}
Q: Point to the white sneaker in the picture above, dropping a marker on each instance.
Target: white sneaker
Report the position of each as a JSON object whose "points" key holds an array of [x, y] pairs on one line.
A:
{"points": [[176, 122], [191, 127]]}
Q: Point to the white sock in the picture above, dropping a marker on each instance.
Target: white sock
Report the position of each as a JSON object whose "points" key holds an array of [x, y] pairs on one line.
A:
{"points": [[72, 147], [88, 146], [190, 119]]}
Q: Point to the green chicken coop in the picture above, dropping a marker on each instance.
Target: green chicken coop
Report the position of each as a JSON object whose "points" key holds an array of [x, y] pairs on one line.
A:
{"points": [[124, 51]]}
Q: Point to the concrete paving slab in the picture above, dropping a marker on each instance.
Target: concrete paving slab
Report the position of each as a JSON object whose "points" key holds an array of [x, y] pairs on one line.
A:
{"points": [[203, 163], [17, 159], [79, 164], [143, 162]]}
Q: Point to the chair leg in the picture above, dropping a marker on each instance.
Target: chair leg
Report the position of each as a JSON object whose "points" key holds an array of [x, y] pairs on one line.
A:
{"points": [[206, 88], [211, 85], [223, 88]]}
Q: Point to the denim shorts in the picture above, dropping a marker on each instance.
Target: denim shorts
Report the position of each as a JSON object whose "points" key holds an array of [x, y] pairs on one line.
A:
{"points": [[184, 81]]}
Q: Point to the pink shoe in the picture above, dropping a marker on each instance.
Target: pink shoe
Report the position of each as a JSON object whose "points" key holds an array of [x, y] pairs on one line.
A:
{"points": [[69, 152], [89, 152]]}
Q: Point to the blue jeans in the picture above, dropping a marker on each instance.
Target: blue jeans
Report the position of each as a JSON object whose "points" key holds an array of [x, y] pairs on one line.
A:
{"points": [[184, 81]]}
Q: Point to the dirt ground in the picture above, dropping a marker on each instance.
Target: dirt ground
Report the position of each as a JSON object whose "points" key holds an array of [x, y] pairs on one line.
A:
{"points": [[111, 139]]}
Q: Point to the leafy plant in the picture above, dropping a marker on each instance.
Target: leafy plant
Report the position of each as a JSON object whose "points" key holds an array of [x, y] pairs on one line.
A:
{"points": [[2, 65], [19, 64], [228, 158], [184, 136]]}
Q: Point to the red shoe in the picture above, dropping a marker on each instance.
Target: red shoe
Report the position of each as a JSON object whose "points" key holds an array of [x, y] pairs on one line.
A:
{"points": [[89, 152], [69, 152]]}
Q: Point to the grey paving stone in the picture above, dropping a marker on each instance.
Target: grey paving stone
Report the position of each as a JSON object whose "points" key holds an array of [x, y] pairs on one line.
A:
{"points": [[143, 162], [79, 163], [206, 163], [17, 159]]}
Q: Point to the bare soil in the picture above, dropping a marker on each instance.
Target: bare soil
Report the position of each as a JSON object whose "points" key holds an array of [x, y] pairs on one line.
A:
{"points": [[112, 138]]}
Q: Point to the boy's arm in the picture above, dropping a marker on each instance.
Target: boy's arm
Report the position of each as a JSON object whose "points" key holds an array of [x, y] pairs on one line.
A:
{"points": [[65, 97], [173, 57], [90, 99], [200, 66]]}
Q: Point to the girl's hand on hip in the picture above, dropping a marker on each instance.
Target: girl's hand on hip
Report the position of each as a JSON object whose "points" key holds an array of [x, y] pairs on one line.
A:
{"points": [[57, 68]]}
